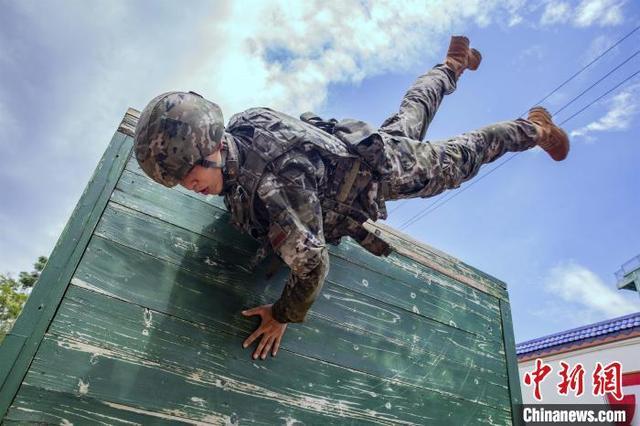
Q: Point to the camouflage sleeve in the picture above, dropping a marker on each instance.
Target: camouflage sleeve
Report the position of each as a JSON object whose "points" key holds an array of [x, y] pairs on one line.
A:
{"points": [[296, 235]]}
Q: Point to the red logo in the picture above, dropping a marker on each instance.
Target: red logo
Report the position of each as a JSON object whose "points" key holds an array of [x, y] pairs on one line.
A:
{"points": [[571, 380], [536, 377], [608, 380]]}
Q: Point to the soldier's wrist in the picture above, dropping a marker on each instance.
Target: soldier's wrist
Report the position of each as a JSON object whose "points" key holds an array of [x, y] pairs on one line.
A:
{"points": [[278, 314]]}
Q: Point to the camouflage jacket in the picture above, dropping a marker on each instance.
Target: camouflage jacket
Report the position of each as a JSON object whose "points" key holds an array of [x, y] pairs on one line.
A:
{"points": [[284, 184]]}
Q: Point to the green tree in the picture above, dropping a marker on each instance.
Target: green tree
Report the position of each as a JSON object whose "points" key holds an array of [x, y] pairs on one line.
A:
{"points": [[14, 294], [28, 279]]}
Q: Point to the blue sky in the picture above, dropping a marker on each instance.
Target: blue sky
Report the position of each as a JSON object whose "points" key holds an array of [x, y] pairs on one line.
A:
{"points": [[555, 232]]}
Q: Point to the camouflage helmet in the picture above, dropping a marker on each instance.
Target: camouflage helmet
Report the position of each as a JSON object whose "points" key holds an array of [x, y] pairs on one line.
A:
{"points": [[175, 132]]}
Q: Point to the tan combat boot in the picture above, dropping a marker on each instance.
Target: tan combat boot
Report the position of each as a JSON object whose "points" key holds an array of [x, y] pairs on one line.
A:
{"points": [[551, 138], [460, 57]]}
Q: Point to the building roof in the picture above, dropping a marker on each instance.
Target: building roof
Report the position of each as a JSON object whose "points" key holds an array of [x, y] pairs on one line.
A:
{"points": [[591, 333]]}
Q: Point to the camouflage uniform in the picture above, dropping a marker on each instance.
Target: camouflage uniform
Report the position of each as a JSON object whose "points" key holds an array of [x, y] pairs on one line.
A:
{"points": [[302, 203], [424, 169]]}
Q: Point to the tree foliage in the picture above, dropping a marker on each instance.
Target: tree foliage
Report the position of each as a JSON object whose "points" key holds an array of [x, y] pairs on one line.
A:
{"points": [[14, 294]]}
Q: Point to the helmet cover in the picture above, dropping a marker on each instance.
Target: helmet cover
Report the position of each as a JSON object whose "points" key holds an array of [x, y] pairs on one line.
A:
{"points": [[176, 130]]}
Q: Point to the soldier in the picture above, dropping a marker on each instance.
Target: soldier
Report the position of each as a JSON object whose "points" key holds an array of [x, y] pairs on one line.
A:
{"points": [[297, 185]]}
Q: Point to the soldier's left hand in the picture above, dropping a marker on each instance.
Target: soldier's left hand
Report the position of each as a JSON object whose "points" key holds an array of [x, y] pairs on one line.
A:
{"points": [[271, 329]]}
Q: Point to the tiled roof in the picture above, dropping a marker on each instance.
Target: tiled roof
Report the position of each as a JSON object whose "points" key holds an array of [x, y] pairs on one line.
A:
{"points": [[576, 335]]}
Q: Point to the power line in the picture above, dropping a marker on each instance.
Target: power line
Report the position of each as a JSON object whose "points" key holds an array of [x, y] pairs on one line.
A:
{"points": [[586, 66], [441, 202], [406, 200], [397, 206], [438, 203], [597, 82], [602, 96]]}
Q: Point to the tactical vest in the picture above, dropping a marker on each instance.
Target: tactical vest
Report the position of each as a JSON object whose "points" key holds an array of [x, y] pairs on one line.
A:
{"points": [[268, 135]]}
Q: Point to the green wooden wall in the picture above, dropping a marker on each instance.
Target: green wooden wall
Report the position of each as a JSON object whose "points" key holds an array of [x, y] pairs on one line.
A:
{"points": [[136, 320]]}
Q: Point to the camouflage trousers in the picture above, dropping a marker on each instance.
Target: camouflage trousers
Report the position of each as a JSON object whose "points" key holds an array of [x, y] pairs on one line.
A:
{"points": [[424, 169]]}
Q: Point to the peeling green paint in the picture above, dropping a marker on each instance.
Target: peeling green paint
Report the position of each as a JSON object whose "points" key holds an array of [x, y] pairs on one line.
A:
{"points": [[140, 324]]}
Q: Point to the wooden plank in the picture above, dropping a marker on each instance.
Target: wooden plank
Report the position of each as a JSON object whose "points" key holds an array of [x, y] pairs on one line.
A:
{"points": [[426, 298], [311, 396], [380, 340], [200, 254], [400, 268], [408, 266], [512, 363], [439, 261], [37, 405], [421, 267], [177, 361], [179, 392], [129, 121], [241, 292], [46, 296], [443, 258], [214, 200], [11, 347], [142, 194], [437, 297], [397, 264], [407, 248]]}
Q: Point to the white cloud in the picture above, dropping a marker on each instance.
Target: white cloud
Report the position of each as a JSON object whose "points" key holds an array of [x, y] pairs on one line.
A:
{"points": [[515, 20], [600, 12], [328, 42], [587, 13], [66, 104], [122, 58], [274, 53], [555, 13], [581, 296], [622, 108]]}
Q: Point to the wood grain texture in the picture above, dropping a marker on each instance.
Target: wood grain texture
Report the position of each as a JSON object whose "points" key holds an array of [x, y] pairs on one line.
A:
{"points": [[129, 121], [195, 252], [183, 369], [149, 330], [515, 392], [407, 247], [45, 297], [398, 280], [38, 405], [438, 261], [381, 340]]}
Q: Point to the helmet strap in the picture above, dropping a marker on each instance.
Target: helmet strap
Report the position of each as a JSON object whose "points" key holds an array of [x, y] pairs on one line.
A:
{"points": [[212, 164]]}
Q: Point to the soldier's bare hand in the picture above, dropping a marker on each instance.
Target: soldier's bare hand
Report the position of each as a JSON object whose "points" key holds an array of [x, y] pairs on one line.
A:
{"points": [[270, 329]]}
